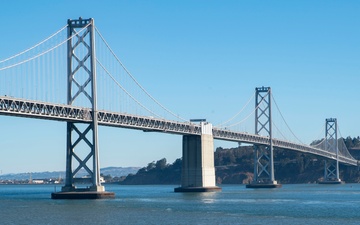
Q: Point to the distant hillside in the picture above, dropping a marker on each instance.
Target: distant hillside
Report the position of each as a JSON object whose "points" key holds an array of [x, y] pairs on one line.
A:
{"points": [[109, 171], [236, 166], [119, 171], [156, 173]]}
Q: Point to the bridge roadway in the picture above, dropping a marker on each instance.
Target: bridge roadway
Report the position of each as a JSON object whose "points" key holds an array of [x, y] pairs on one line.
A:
{"points": [[43, 110]]}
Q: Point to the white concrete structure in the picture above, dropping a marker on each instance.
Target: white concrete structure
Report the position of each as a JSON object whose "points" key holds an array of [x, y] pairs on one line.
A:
{"points": [[198, 171]]}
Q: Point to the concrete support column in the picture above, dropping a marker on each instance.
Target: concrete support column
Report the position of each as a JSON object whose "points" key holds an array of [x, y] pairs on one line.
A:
{"points": [[198, 171]]}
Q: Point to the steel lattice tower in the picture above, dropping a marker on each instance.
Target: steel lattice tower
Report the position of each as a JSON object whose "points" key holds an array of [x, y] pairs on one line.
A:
{"points": [[331, 172], [263, 157], [82, 139]]}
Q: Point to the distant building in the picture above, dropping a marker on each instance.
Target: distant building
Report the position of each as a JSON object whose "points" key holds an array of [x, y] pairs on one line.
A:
{"points": [[37, 181]]}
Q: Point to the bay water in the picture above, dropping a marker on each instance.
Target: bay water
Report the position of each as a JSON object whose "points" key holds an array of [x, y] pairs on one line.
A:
{"points": [[158, 204]]}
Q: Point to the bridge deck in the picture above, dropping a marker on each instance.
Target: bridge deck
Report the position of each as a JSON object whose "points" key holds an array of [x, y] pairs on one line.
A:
{"points": [[67, 113]]}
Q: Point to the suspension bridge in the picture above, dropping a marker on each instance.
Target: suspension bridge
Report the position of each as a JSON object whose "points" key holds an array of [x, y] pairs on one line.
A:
{"points": [[74, 76]]}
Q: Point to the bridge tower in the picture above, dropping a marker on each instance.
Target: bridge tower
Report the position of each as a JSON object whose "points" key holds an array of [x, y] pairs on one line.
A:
{"points": [[263, 155], [331, 171], [82, 154]]}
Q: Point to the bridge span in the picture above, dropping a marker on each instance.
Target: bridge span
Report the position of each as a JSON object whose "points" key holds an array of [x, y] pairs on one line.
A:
{"points": [[67, 113]]}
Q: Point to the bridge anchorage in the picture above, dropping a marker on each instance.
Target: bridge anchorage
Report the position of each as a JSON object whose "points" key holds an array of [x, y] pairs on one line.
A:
{"points": [[331, 171], [82, 138], [263, 155]]}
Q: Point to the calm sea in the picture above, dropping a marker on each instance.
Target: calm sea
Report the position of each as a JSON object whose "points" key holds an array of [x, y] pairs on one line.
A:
{"points": [[291, 204]]}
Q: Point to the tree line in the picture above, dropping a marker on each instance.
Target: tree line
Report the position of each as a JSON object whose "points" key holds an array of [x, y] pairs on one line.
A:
{"points": [[236, 166]]}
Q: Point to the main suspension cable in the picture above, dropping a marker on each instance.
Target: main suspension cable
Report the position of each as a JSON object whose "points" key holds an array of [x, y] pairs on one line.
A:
{"points": [[272, 96], [133, 78], [247, 103], [117, 83], [14, 56], [43, 53], [247, 117]]}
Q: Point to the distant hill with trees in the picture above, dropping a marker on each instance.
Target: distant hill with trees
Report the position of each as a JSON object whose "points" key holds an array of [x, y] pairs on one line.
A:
{"points": [[159, 172], [113, 174], [236, 166]]}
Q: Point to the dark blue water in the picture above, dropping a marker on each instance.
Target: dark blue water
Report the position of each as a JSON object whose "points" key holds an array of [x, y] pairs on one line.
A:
{"points": [[291, 204]]}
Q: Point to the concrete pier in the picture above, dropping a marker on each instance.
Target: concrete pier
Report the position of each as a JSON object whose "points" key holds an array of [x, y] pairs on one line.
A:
{"points": [[83, 193], [334, 181], [273, 184], [198, 171]]}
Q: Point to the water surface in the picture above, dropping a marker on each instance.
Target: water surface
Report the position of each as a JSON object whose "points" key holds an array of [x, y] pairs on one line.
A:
{"points": [[291, 204]]}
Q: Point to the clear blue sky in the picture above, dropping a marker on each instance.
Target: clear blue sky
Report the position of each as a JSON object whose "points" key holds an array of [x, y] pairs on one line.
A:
{"points": [[199, 59]]}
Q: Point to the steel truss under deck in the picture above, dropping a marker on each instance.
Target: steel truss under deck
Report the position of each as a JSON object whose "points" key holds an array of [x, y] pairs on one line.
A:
{"points": [[67, 113]]}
